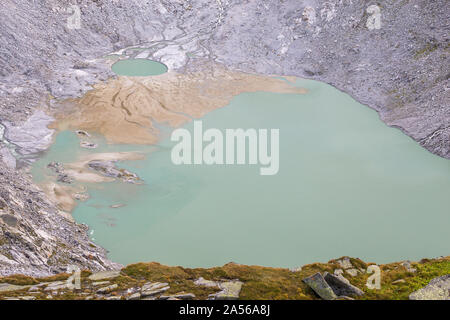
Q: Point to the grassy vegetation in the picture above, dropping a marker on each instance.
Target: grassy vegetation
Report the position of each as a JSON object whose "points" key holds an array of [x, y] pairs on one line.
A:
{"points": [[259, 282]]}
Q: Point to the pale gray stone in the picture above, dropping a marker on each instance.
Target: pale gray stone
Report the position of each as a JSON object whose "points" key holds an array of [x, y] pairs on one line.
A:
{"points": [[230, 290], [104, 275], [154, 288], [107, 289], [207, 283], [437, 289], [345, 263]]}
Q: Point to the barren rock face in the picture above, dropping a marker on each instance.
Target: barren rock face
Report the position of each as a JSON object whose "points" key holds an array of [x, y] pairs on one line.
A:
{"points": [[392, 57], [38, 239]]}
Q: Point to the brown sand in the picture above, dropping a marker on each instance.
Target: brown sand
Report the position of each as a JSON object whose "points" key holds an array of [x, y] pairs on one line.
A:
{"points": [[80, 172], [63, 195], [124, 109]]}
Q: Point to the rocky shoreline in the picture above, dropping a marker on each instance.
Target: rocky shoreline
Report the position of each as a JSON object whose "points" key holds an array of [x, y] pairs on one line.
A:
{"points": [[400, 70], [38, 239]]}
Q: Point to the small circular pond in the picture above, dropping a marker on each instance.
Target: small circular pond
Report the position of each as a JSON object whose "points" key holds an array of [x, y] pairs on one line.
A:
{"points": [[138, 68]]}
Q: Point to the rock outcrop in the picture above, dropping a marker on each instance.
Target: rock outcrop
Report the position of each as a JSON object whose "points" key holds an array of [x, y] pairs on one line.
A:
{"points": [[109, 169], [437, 289], [341, 286], [320, 286], [38, 239]]}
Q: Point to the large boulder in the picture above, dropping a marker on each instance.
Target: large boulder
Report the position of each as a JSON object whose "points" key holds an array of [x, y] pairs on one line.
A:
{"points": [[437, 289], [320, 286], [341, 286], [230, 290]]}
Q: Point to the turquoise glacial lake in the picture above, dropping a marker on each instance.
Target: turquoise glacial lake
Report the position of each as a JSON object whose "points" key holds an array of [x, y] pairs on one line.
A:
{"points": [[138, 67], [347, 185]]}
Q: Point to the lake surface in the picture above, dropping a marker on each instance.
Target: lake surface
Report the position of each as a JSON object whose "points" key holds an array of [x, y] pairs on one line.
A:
{"points": [[347, 185], [138, 67]]}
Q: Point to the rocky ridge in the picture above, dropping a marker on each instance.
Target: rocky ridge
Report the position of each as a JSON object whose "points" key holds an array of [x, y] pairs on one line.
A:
{"points": [[152, 281]]}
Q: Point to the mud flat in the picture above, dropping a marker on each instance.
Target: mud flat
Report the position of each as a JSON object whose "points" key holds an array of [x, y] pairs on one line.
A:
{"points": [[125, 110], [80, 172]]}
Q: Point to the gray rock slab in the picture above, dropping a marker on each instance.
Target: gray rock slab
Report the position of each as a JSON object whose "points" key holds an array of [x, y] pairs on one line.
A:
{"points": [[318, 284], [437, 289], [104, 275], [341, 286]]}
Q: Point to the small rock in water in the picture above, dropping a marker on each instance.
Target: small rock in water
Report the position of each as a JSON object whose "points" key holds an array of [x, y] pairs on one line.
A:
{"points": [[108, 168], [82, 133], [115, 206], [81, 196], [56, 167], [64, 178], [59, 169], [88, 145], [320, 286]]}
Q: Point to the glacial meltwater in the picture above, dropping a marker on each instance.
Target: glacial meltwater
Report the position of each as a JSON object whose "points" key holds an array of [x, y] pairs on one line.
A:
{"points": [[347, 185], [138, 67]]}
